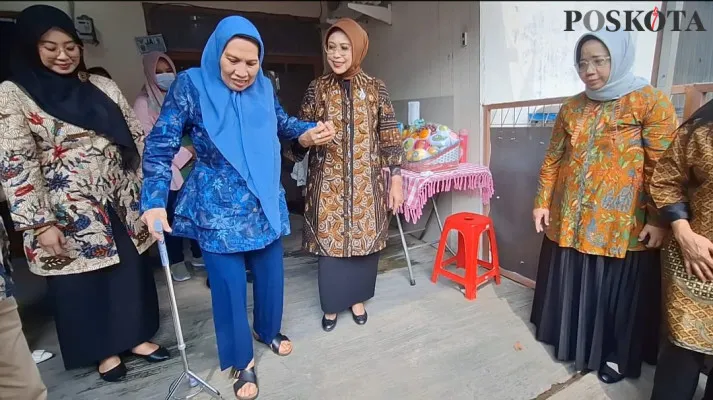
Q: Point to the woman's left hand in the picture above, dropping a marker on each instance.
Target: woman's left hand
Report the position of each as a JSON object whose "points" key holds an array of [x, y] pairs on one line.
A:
{"points": [[655, 234], [396, 194]]}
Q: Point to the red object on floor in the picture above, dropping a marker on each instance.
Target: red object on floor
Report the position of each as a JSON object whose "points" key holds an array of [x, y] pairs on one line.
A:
{"points": [[469, 226]]}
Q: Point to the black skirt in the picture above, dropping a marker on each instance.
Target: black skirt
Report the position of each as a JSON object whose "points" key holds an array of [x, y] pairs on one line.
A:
{"points": [[345, 281], [596, 309], [103, 313]]}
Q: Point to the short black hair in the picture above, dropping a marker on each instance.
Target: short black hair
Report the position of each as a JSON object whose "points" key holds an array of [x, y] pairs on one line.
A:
{"points": [[99, 71]]}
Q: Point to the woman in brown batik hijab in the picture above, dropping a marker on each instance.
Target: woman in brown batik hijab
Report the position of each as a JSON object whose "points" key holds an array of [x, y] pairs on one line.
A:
{"points": [[682, 187], [347, 203]]}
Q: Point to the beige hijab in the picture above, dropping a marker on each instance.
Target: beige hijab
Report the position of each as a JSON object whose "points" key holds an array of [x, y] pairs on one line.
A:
{"points": [[360, 43]]}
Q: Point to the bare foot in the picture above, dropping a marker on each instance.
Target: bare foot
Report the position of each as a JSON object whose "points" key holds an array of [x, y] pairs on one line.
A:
{"points": [[145, 348], [330, 317], [109, 363], [285, 347], [358, 309], [248, 390]]}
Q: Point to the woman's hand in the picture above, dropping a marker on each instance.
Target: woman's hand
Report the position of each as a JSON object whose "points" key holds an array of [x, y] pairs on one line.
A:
{"points": [[396, 193], [52, 241], [317, 136], [697, 251], [541, 216], [655, 234], [156, 214]]}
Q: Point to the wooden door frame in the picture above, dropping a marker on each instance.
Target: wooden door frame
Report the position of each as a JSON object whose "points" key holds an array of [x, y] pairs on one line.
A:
{"points": [[152, 7], [315, 61]]}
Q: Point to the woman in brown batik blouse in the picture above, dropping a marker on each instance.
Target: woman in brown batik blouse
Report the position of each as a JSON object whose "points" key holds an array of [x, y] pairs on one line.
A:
{"points": [[682, 187], [347, 203]]}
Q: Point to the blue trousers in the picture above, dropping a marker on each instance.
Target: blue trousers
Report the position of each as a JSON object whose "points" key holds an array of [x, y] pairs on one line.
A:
{"points": [[228, 292]]}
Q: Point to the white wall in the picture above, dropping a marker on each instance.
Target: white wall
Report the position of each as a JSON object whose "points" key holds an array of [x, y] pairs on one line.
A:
{"points": [[420, 57], [528, 55], [119, 22]]}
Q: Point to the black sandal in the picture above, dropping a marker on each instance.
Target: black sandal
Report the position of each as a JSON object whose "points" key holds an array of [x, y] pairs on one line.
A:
{"points": [[243, 377], [274, 345]]}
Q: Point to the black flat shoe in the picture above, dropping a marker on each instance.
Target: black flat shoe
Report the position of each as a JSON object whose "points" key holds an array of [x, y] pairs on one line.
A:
{"points": [[328, 324], [360, 319], [115, 374], [159, 355], [607, 375]]}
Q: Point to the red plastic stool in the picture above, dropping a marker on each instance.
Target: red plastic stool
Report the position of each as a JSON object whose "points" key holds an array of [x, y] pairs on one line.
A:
{"points": [[470, 226]]}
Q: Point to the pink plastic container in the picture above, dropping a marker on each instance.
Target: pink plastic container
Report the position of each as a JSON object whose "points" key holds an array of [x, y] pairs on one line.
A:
{"points": [[463, 136]]}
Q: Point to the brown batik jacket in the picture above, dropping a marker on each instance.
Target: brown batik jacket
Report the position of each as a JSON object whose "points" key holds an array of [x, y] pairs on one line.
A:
{"points": [[346, 203]]}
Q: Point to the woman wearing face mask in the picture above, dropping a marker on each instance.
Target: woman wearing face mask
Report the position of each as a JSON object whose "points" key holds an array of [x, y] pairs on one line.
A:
{"points": [[160, 73], [233, 203], [71, 171], [347, 221], [597, 296]]}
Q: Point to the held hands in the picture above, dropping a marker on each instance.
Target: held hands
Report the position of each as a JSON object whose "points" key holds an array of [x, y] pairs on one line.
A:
{"points": [[153, 215], [541, 217], [697, 251], [655, 234], [321, 134], [52, 241]]}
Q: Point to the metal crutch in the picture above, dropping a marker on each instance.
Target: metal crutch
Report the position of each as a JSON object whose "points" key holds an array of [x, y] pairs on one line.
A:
{"points": [[193, 378]]}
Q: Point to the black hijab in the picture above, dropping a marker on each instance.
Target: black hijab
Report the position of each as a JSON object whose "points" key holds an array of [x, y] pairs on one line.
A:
{"points": [[702, 116], [70, 98]]}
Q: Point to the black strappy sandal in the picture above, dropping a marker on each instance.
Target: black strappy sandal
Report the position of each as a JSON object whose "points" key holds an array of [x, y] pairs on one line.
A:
{"points": [[274, 345], [243, 377]]}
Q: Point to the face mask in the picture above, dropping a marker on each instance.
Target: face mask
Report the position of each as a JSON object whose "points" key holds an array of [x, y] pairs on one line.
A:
{"points": [[164, 80]]}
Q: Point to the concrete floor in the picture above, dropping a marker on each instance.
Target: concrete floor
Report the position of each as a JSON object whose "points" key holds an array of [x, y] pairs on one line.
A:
{"points": [[421, 342]]}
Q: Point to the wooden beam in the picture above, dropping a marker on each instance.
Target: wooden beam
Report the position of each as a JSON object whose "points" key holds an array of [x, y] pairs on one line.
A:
{"points": [[526, 103], [657, 50], [694, 100], [668, 52]]}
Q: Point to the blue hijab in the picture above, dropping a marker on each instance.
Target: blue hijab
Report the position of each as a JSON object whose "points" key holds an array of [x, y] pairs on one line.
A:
{"points": [[242, 125], [622, 52]]}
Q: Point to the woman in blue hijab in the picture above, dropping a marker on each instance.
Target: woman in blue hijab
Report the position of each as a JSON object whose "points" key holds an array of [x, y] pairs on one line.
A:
{"points": [[232, 203]]}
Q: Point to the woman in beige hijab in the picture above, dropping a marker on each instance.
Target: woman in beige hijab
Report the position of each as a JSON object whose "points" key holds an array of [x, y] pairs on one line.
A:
{"points": [[348, 201]]}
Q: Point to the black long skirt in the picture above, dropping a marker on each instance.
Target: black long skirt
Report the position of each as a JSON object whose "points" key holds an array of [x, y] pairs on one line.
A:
{"points": [[346, 281], [596, 309], [103, 313]]}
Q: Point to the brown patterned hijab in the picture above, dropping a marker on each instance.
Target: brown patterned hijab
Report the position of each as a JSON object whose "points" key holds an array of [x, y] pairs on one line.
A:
{"points": [[360, 43]]}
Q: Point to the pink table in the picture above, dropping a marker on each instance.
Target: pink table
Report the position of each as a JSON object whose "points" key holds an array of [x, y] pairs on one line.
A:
{"points": [[419, 188]]}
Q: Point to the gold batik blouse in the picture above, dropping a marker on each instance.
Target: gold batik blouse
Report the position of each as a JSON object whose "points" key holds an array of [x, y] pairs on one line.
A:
{"points": [[595, 175], [682, 187], [346, 205]]}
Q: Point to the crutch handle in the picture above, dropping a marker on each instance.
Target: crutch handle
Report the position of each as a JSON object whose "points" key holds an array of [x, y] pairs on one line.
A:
{"points": [[158, 227]]}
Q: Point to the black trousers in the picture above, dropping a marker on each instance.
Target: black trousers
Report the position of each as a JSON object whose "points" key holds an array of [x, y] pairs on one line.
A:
{"points": [[677, 373]]}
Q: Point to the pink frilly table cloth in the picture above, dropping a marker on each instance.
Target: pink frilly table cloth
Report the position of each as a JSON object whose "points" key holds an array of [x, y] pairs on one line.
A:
{"points": [[419, 187]]}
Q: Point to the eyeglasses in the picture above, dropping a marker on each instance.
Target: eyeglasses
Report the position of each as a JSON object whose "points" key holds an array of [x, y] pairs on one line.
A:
{"points": [[70, 50], [337, 50], [583, 66]]}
